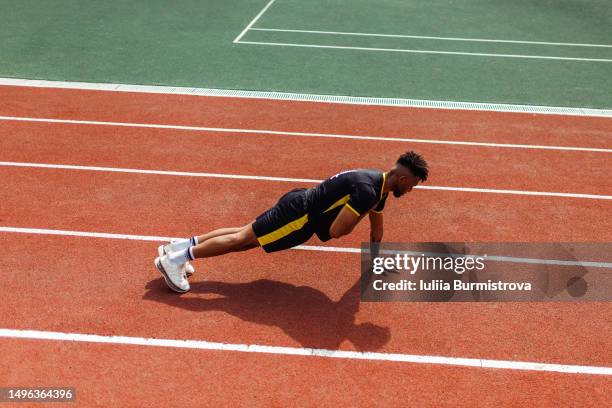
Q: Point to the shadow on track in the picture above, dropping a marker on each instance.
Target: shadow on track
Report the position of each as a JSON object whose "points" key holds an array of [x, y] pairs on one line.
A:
{"points": [[305, 314]]}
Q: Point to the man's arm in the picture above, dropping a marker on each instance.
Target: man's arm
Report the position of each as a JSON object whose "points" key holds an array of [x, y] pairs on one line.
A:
{"points": [[362, 199], [344, 223], [376, 226], [376, 232]]}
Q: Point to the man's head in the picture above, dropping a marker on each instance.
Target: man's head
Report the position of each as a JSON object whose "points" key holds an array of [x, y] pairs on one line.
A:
{"points": [[409, 169]]}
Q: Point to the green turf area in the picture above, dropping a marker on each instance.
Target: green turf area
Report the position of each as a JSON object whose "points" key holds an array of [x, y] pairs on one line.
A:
{"points": [[189, 43]]}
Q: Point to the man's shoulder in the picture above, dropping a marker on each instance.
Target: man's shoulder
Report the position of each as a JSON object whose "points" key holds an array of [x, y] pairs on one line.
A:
{"points": [[367, 176]]}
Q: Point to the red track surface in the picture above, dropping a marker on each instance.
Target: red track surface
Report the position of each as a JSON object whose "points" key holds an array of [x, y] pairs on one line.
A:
{"points": [[128, 376], [110, 287]]}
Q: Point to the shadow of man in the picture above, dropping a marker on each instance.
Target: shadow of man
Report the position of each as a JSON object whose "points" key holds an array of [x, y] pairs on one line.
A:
{"points": [[305, 314]]}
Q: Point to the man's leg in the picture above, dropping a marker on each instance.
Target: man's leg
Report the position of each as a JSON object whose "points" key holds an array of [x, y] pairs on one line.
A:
{"points": [[218, 242], [224, 241], [180, 244], [278, 228], [185, 243], [217, 232]]}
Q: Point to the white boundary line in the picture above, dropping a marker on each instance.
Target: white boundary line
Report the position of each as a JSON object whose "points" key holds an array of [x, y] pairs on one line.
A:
{"points": [[257, 17], [424, 37], [403, 50], [307, 352], [317, 248], [300, 97], [303, 134], [159, 172], [292, 180]]}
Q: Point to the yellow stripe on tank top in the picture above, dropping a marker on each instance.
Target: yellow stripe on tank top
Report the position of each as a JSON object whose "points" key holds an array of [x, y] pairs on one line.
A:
{"points": [[338, 203], [353, 210]]}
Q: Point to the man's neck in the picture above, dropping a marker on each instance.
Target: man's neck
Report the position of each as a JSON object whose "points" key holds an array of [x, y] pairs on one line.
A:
{"points": [[388, 183]]}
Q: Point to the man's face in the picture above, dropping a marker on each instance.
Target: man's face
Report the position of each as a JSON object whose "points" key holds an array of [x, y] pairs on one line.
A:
{"points": [[405, 185]]}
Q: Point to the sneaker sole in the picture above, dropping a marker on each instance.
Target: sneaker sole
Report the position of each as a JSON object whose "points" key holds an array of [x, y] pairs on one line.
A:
{"points": [[171, 285], [161, 252]]}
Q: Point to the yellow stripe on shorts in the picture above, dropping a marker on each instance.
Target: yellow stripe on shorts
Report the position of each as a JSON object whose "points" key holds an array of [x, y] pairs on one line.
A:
{"points": [[283, 231]]}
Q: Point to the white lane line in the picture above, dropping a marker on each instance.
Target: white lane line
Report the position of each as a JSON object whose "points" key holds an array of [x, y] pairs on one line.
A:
{"points": [[302, 134], [307, 352], [425, 37], [301, 97], [257, 17], [402, 50], [516, 192], [347, 250], [292, 180], [85, 234], [157, 172]]}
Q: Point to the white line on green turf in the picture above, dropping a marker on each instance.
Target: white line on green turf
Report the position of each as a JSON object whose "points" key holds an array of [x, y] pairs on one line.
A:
{"points": [[304, 134], [292, 180], [425, 37], [301, 97], [257, 17], [306, 352], [402, 50]]}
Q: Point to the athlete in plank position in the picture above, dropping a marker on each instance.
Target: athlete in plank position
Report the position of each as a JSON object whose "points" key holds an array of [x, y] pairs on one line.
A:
{"points": [[329, 210]]}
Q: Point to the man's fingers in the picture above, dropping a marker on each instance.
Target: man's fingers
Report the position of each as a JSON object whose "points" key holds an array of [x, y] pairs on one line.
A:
{"points": [[390, 271]]}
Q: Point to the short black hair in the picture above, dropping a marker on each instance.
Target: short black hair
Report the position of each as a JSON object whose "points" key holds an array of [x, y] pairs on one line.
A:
{"points": [[415, 163]]}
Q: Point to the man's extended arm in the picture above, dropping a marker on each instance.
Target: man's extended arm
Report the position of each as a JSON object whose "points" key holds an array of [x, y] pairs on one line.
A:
{"points": [[376, 226], [376, 232], [344, 223]]}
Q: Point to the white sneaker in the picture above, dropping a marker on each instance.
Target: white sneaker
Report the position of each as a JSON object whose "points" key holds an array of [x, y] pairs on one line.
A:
{"points": [[166, 249], [173, 274]]}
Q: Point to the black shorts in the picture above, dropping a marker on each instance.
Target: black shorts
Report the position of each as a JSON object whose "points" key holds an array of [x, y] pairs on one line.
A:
{"points": [[286, 224]]}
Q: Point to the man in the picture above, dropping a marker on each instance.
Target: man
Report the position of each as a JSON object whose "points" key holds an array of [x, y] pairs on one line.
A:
{"points": [[330, 210]]}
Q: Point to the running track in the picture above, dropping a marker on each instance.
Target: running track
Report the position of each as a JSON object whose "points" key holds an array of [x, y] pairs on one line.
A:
{"points": [[295, 298]]}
